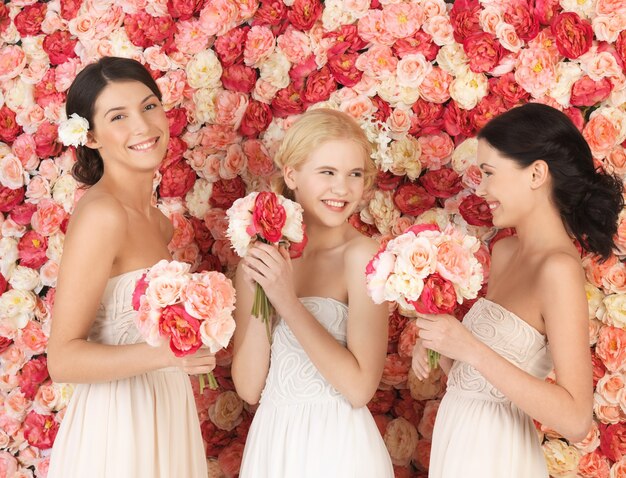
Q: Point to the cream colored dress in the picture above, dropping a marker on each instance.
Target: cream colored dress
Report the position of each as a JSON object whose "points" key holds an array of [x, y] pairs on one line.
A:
{"points": [[305, 428], [143, 426], [478, 432]]}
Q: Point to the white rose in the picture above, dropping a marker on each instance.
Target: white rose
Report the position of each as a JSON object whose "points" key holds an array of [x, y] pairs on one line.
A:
{"points": [[594, 298], [33, 47], [197, 200], [18, 94], [452, 58], [11, 172], [17, 308], [584, 8], [469, 88], [275, 70], [383, 210], [25, 279], [204, 101], [55, 246], [121, 45], [63, 191], [405, 154], [566, 75], [204, 70], [615, 310], [617, 117], [407, 95], [8, 255]]}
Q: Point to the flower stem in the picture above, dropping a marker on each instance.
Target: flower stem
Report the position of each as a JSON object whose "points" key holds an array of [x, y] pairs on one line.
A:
{"points": [[211, 379], [433, 359]]}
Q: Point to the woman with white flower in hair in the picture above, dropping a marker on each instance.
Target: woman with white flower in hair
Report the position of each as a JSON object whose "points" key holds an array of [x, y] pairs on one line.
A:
{"points": [[132, 413]]}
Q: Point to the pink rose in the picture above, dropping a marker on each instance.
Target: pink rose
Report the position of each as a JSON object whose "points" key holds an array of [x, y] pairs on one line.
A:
{"points": [[427, 422], [182, 330], [522, 16], [408, 338], [535, 71], [226, 411], [377, 62], [487, 108], [396, 370], [48, 218], [613, 440], [401, 439], [464, 18], [435, 87], [32, 250], [259, 45], [438, 296], [403, 19], [12, 62], [230, 46], [217, 137], [183, 9], [343, 68], [8, 464], [611, 348], [229, 459], [40, 430], [46, 139], [372, 28], [508, 89], [177, 180], [573, 34], [304, 13], [420, 42], [32, 375], [601, 134], [59, 46], [207, 295], [594, 465], [256, 119], [268, 217]]}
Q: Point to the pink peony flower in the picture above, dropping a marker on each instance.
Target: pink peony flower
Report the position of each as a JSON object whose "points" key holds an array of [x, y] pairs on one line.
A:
{"points": [[182, 329]]}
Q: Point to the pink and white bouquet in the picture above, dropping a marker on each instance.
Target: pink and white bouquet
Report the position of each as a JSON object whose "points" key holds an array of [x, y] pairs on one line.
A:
{"points": [[272, 219], [428, 269], [189, 310]]}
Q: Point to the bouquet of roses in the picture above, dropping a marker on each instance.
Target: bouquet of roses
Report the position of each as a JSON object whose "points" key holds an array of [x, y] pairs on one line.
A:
{"points": [[189, 310], [272, 219], [428, 269]]}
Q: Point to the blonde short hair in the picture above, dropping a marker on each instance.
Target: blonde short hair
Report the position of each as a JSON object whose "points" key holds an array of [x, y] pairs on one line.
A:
{"points": [[311, 130]]}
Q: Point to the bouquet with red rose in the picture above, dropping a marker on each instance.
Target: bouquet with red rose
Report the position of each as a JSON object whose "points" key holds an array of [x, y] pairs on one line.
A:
{"points": [[427, 269], [269, 218], [189, 310]]}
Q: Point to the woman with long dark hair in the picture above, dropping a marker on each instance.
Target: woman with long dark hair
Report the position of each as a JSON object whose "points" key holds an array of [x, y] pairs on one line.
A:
{"points": [[132, 413], [539, 178]]}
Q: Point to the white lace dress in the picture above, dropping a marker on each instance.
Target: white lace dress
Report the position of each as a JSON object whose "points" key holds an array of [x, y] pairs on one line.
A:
{"points": [[140, 427], [478, 432], [304, 428]]}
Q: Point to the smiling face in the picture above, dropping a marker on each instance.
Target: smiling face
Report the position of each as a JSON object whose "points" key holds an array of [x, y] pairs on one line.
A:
{"points": [[505, 186], [330, 183], [130, 129]]}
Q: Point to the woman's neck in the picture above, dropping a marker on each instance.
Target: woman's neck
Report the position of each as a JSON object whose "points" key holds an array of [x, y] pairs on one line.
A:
{"points": [[542, 230], [133, 191]]}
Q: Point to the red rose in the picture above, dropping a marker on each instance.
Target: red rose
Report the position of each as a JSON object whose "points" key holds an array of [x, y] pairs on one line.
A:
{"points": [[319, 86], [417, 228], [475, 211], [343, 68], [229, 459], [177, 180], [287, 102], [229, 47], [32, 250], [28, 21], [157, 29], [587, 92], [521, 16], [383, 110], [226, 192], [382, 401], [177, 118], [256, 119], [545, 10], [33, 374], [366, 229], [574, 35], [259, 161], [299, 72], [412, 199], [464, 18], [442, 183], [270, 13], [210, 262], [140, 290], [183, 9], [457, 121], [486, 109], [46, 142], [438, 296], [268, 217], [304, 13], [135, 29], [484, 51], [387, 181], [508, 89], [59, 46], [397, 323], [5, 343], [40, 430], [5, 19], [21, 214], [620, 46], [201, 234], [346, 36], [599, 369], [239, 78], [613, 440], [69, 8], [9, 129], [420, 42], [9, 198], [175, 149], [296, 249], [427, 118], [215, 438], [182, 329]]}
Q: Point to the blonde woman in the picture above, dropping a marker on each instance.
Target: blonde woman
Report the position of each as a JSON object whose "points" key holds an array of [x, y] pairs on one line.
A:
{"points": [[330, 340]]}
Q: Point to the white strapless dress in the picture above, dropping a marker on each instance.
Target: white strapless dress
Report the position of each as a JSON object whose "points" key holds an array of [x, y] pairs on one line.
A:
{"points": [[304, 428]]}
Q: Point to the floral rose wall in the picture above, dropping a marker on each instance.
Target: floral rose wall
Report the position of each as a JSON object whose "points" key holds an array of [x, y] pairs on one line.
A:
{"points": [[421, 76]]}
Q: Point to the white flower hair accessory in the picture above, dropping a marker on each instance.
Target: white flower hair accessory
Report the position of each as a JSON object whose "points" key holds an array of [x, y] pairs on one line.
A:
{"points": [[73, 130]]}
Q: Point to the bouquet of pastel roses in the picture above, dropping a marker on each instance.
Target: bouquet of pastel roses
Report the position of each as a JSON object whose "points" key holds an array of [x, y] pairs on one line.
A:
{"points": [[272, 219], [428, 269], [189, 310]]}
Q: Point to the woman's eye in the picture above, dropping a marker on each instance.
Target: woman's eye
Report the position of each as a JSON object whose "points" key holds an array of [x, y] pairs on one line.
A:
{"points": [[327, 172], [117, 117], [357, 175], [151, 106]]}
